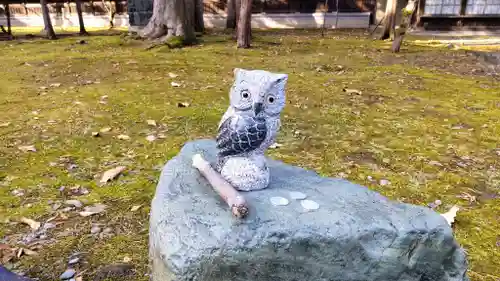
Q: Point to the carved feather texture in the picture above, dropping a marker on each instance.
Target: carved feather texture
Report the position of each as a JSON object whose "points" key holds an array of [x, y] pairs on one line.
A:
{"points": [[240, 134]]}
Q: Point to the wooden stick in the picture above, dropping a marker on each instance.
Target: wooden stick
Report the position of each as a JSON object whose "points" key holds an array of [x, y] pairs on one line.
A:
{"points": [[228, 193]]}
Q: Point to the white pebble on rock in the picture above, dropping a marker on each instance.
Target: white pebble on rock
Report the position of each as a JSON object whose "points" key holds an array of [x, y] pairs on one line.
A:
{"points": [[309, 205], [297, 195], [279, 201], [73, 261]]}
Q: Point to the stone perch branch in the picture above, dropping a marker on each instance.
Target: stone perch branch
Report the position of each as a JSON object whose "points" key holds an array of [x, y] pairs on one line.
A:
{"points": [[228, 193]]}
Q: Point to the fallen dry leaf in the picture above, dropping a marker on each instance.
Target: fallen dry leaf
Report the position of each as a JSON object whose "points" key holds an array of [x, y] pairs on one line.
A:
{"points": [[55, 85], [27, 252], [435, 204], [175, 84], [6, 253], [135, 208], [95, 134], [123, 137], [62, 216], [183, 104], [112, 173], [52, 218], [467, 196], [172, 75], [92, 210], [352, 91], [32, 223], [75, 203], [105, 130], [27, 148], [151, 123], [451, 214]]}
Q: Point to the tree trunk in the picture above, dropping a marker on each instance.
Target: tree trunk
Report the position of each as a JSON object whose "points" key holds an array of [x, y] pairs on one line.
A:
{"points": [[244, 24], [171, 18], [233, 13], [111, 13], [199, 25], [390, 19], [407, 14], [420, 11], [80, 17], [7, 14], [49, 30]]}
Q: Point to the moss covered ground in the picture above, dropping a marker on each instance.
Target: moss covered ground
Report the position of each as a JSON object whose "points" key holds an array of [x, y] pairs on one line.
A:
{"points": [[425, 123]]}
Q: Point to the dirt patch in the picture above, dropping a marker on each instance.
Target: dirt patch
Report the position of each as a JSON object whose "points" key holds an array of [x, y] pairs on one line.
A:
{"points": [[361, 157], [452, 62]]}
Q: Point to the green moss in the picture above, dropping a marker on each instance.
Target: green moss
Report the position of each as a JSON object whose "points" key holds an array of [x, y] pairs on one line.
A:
{"points": [[416, 109]]}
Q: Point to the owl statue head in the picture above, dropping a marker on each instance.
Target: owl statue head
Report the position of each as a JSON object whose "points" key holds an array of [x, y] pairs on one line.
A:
{"points": [[258, 93]]}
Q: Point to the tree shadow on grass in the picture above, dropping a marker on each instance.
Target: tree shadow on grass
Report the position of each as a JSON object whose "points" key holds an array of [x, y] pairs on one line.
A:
{"points": [[65, 34]]}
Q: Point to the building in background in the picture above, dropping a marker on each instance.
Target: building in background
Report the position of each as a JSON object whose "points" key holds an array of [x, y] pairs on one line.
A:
{"points": [[432, 14], [266, 13], [460, 14], [279, 13]]}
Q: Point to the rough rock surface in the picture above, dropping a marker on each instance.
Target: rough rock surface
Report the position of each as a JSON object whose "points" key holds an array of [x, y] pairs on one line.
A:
{"points": [[355, 235]]}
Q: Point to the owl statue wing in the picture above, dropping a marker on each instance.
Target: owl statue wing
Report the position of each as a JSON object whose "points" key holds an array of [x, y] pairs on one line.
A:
{"points": [[240, 135]]}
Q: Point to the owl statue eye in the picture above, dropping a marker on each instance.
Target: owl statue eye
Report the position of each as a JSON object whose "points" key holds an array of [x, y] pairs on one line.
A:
{"points": [[270, 99], [245, 94]]}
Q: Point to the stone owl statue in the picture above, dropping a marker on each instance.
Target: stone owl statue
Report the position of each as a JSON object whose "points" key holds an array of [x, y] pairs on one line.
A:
{"points": [[249, 127]]}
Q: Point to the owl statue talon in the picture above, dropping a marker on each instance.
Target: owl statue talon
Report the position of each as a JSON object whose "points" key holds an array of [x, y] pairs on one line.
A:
{"points": [[249, 127]]}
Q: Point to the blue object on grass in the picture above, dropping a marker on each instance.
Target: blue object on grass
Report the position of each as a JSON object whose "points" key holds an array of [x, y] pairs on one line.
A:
{"points": [[7, 275]]}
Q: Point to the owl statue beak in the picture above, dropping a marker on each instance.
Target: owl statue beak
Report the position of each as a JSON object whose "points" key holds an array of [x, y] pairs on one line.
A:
{"points": [[257, 107]]}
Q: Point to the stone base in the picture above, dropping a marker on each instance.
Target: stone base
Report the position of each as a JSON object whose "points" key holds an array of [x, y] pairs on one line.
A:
{"points": [[355, 235]]}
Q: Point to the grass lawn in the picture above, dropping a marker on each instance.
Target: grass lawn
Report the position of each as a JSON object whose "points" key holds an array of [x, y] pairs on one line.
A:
{"points": [[427, 120]]}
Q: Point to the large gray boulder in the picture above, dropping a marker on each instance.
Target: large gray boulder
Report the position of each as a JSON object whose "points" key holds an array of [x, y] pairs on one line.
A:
{"points": [[355, 235]]}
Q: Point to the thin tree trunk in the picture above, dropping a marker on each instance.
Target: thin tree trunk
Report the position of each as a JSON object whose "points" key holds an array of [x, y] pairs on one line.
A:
{"points": [[390, 19], [80, 17], [111, 13], [49, 30], [244, 34], [188, 20], [420, 12], [233, 13], [7, 13], [199, 25], [408, 13]]}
